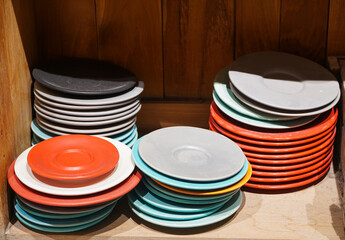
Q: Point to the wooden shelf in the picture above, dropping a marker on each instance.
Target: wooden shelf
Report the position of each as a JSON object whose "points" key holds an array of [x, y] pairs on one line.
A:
{"points": [[311, 213]]}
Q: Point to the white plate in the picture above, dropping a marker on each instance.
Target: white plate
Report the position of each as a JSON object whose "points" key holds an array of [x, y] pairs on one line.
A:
{"points": [[79, 107], [85, 121], [286, 124], [124, 168], [283, 81], [283, 113], [88, 113], [104, 131], [191, 153], [87, 101]]}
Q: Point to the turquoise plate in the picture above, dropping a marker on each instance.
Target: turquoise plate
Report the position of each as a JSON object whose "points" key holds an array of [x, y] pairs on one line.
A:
{"points": [[130, 138], [148, 209], [43, 214], [157, 189], [59, 229], [284, 124], [185, 184], [63, 222], [228, 209], [167, 205], [128, 134], [131, 143]]}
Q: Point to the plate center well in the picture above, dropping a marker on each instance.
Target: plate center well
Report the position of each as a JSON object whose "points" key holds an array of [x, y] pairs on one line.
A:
{"points": [[191, 156], [284, 86], [73, 159]]}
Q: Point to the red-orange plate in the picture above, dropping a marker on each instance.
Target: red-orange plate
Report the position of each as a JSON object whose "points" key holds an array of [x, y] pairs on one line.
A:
{"points": [[73, 201], [73, 157]]}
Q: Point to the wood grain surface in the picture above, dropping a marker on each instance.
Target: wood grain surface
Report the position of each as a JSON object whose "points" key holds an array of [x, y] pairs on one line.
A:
{"points": [[130, 35], [198, 42], [15, 102], [257, 26], [336, 28], [303, 29]]}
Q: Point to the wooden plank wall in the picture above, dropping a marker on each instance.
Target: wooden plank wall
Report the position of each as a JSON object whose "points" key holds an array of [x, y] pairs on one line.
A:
{"points": [[177, 46]]}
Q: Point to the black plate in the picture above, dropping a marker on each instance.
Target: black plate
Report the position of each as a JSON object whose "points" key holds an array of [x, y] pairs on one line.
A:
{"points": [[84, 77]]}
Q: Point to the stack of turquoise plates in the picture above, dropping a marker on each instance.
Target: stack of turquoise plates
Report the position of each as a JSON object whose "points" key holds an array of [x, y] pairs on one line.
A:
{"points": [[78, 96], [192, 177]]}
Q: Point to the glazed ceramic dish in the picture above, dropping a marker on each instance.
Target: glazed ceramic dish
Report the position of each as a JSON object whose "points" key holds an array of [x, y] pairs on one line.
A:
{"points": [[222, 89], [84, 77], [105, 100], [226, 211], [192, 154], [286, 124], [321, 124], [75, 157], [87, 113], [280, 112], [283, 81], [185, 184], [123, 170]]}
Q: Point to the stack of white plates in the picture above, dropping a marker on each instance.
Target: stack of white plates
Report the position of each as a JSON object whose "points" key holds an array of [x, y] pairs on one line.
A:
{"points": [[85, 97], [192, 177]]}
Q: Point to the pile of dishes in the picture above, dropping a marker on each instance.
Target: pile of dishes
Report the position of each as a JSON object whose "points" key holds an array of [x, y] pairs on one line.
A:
{"points": [[71, 182], [78, 96], [192, 177], [280, 109]]}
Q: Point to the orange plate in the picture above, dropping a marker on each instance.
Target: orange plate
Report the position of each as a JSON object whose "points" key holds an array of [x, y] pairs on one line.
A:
{"points": [[263, 149], [215, 192], [73, 157], [73, 201], [319, 125]]}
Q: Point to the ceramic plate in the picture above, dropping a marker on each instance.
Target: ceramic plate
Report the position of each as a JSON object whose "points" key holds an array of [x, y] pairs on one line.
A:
{"points": [[133, 141], [263, 148], [183, 198], [283, 81], [105, 100], [192, 154], [269, 110], [185, 184], [57, 211], [107, 130], [131, 138], [321, 124], [158, 202], [88, 113], [222, 88], [84, 77], [124, 169], [151, 210], [58, 229], [286, 124], [73, 157], [68, 106], [226, 211], [288, 185], [74, 201], [119, 118]]}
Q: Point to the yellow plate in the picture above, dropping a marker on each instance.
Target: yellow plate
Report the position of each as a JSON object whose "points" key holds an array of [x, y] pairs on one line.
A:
{"points": [[215, 192]]}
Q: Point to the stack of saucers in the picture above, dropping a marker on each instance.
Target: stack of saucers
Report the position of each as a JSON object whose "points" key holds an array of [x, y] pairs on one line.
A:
{"points": [[71, 182], [192, 177], [279, 108], [78, 96]]}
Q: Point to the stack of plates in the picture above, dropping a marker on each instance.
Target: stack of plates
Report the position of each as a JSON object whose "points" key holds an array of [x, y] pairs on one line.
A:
{"points": [[279, 108], [72, 182], [85, 97], [192, 177]]}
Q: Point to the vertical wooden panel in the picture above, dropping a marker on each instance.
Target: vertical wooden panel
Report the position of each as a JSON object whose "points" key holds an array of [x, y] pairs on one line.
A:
{"points": [[198, 42], [336, 28], [66, 28], [257, 26], [303, 29], [130, 34], [15, 111]]}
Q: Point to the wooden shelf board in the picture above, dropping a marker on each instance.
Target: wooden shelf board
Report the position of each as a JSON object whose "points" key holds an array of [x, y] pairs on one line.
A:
{"points": [[311, 213]]}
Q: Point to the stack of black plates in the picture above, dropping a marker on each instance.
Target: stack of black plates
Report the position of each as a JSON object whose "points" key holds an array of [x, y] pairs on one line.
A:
{"points": [[78, 96]]}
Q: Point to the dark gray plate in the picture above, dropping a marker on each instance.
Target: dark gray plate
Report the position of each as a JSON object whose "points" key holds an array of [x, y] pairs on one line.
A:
{"points": [[84, 77]]}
